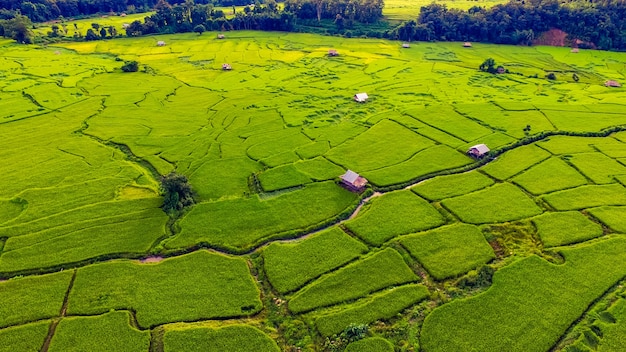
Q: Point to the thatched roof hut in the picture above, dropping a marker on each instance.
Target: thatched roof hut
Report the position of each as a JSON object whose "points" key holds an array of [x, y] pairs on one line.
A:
{"points": [[478, 151], [612, 83], [361, 97], [353, 181], [333, 52], [226, 67], [160, 43], [467, 45]]}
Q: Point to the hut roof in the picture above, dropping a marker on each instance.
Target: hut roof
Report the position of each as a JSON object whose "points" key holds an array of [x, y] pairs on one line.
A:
{"points": [[480, 149], [467, 45], [160, 43], [406, 45], [360, 97], [350, 176], [612, 83]]}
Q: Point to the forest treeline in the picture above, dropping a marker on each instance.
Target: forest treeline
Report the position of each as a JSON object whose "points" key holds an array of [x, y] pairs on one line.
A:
{"points": [[600, 24]]}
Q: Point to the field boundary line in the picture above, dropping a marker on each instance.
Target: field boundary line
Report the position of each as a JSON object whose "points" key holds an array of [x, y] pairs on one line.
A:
{"points": [[55, 322]]}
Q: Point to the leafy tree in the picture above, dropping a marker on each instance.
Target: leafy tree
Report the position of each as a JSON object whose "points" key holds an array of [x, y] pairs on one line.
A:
{"points": [[575, 77], [488, 65], [551, 76], [199, 29], [176, 191], [91, 35], [130, 66], [355, 332], [18, 28]]}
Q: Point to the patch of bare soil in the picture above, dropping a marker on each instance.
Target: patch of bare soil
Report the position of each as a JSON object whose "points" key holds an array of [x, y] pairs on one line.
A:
{"points": [[151, 259]]}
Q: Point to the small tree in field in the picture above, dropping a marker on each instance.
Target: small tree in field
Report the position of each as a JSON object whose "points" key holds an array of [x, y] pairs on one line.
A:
{"points": [[176, 191], [199, 29], [130, 66]]}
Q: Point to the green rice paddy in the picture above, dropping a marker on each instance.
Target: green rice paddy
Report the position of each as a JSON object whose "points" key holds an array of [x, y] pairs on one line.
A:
{"points": [[275, 255]]}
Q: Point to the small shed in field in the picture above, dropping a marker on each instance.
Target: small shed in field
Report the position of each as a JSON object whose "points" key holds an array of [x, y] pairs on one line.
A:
{"points": [[353, 181], [361, 97], [226, 67], [160, 43], [478, 151], [612, 83], [500, 70], [467, 45], [406, 45], [333, 52], [574, 50], [220, 36]]}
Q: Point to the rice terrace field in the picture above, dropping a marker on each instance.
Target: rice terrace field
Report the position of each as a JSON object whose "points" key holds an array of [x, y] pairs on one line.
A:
{"points": [[523, 250]]}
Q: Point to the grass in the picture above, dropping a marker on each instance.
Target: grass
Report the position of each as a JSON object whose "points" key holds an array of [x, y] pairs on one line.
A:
{"points": [[612, 216], [235, 338], [319, 169], [499, 203], [382, 305], [505, 316], [215, 286], [598, 167], [562, 228], [370, 344], [369, 150], [587, 197], [291, 265], [548, 176], [285, 176], [431, 160], [378, 271], [108, 332], [394, 214], [449, 251], [24, 338], [614, 335], [259, 219], [32, 298], [451, 186], [515, 161]]}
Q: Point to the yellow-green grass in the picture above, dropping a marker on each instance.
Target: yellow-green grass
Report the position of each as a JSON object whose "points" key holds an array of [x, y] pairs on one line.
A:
{"points": [[446, 119], [515, 161], [449, 251], [500, 203], [108, 332], [614, 335], [259, 219], [570, 145], [434, 159], [394, 214], [378, 271], [319, 169], [380, 306], [24, 338], [587, 197], [289, 266], [561, 228], [612, 216], [598, 167], [133, 233], [452, 185], [280, 177], [85, 23], [32, 298], [371, 149], [505, 317], [400, 10], [370, 344], [214, 286], [583, 121], [548, 176], [223, 177], [235, 338], [509, 120]]}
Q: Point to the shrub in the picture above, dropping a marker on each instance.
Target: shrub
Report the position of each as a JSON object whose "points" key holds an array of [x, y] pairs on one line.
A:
{"points": [[130, 66]]}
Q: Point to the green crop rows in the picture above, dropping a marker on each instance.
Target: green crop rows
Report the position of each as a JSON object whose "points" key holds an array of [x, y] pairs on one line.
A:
{"points": [[441, 252]]}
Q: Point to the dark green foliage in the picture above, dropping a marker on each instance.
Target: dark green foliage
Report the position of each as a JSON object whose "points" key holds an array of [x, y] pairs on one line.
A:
{"points": [[355, 332], [199, 29], [551, 76], [17, 28], [177, 192], [130, 66], [480, 278], [488, 65]]}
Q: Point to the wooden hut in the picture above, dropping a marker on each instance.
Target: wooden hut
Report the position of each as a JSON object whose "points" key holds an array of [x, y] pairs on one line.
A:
{"points": [[612, 83], [353, 181], [226, 67], [467, 45], [478, 151], [406, 45], [361, 97], [574, 50], [160, 43], [333, 52], [220, 36]]}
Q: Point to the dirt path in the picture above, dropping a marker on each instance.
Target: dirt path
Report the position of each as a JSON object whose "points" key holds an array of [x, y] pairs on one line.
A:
{"points": [[55, 322]]}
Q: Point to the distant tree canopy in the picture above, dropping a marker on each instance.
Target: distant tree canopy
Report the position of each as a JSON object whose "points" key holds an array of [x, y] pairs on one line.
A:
{"points": [[600, 22], [17, 28], [177, 192]]}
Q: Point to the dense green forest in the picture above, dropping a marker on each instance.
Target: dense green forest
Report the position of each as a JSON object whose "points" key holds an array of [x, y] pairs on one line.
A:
{"points": [[600, 24]]}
